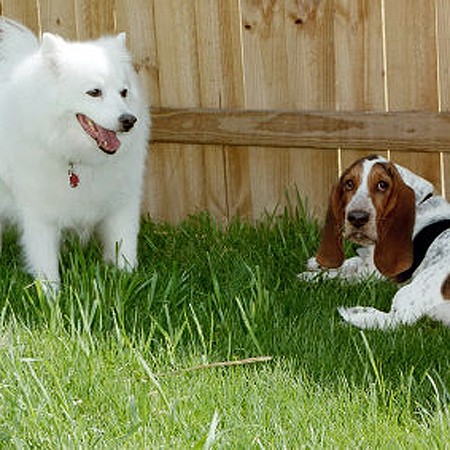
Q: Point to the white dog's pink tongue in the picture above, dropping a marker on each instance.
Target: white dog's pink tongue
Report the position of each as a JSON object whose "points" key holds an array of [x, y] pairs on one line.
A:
{"points": [[106, 139]]}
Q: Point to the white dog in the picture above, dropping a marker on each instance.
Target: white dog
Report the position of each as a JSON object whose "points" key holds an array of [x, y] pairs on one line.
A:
{"points": [[74, 128]]}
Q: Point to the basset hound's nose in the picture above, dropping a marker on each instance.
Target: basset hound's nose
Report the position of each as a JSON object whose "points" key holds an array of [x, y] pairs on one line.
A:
{"points": [[358, 218]]}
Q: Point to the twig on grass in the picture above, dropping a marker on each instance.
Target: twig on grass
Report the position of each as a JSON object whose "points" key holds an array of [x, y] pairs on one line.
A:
{"points": [[240, 362]]}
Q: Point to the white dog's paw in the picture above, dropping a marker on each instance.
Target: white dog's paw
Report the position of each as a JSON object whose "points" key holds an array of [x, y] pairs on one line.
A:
{"points": [[50, 289], [124, 263], [365, 317]]}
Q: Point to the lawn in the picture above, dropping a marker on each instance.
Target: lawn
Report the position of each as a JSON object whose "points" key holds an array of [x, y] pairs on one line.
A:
{"points": [[161, 358]]}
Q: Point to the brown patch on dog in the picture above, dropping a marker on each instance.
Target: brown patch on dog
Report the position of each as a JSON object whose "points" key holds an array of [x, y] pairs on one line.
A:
{"points": [[331, 251], [394, 202], [445, 288]]}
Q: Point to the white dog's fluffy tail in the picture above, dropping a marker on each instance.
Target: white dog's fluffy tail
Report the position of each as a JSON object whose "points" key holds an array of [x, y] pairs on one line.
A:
{"points": [[16, 43]]}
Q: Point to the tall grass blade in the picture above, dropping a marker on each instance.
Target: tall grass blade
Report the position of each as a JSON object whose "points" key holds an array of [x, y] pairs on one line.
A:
{"points": [[375, 369], [152, 378], [211, 438], [248, 325]]}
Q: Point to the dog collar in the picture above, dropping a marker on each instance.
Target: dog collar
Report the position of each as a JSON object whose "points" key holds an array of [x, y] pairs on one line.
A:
{"points": [[73, 177], [426, 198]]}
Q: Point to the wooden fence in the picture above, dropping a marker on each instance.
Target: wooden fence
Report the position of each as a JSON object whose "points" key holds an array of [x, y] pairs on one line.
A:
{"points": [[253, 99]]}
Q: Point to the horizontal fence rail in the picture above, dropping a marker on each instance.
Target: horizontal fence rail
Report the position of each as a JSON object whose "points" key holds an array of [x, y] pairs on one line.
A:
{"points": [[408, 131]]}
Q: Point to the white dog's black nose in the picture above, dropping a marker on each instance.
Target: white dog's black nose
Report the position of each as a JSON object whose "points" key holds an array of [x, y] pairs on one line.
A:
{"points": [[126, 122], [358, 218]]}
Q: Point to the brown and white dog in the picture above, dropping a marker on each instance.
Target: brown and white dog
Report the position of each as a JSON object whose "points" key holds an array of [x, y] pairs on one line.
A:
{"points": [[405, 231]]}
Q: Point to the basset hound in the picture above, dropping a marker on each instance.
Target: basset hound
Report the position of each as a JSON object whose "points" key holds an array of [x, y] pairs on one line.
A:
{"points": [[405, 233]]}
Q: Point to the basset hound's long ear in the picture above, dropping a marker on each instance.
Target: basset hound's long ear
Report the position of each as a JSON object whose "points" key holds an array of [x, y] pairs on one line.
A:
{"points": [[331, 250], [394, 247]]}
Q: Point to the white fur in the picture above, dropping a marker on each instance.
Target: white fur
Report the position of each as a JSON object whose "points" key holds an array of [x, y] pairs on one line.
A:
{"points": [[42, 90]]}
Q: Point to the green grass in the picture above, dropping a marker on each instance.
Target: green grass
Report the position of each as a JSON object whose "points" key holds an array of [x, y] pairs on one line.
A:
{"points": [[121, 360]]}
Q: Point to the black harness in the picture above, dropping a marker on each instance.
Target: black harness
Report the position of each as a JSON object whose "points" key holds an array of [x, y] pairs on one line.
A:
{"points": [[421, 243]]}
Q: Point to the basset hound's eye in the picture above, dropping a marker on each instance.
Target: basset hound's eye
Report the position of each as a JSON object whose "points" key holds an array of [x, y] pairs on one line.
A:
{"points": [[382, 186], [349, 185]]}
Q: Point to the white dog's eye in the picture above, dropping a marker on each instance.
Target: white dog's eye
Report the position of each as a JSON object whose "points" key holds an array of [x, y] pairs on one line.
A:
{"points": [[95, 92], [124, 93]]}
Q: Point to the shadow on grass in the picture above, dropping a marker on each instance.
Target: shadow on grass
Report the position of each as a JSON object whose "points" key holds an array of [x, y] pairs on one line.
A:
{"points": [[216, 292]]}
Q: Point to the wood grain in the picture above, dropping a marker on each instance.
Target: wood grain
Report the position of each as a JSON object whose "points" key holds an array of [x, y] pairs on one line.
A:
{"points": [[185, 179], [94, 18], [59, 18], [403, 131], [412, 71], [443, 49], [360, 70], [287, 49], [136, 19], [222, 86], [24, 11]]}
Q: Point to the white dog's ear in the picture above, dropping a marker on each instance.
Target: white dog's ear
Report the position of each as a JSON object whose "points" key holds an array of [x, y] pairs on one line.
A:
{"points": [[51, 43], [51, 46]]}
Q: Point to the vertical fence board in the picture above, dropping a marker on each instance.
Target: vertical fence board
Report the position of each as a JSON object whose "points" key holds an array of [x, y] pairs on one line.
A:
{"points": [[137, 21], [288, 59], [443, 46], [25, 11], [183, 179], [264, 59], [58, 17], [94, 18], [176, 39], [412, 71], [220, 61], [359, 62], [309, 43], [222, 79], [359, 55]]}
